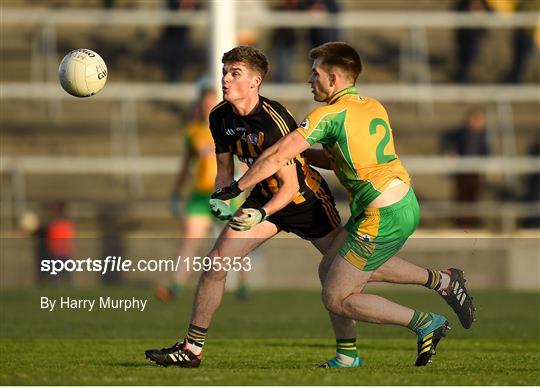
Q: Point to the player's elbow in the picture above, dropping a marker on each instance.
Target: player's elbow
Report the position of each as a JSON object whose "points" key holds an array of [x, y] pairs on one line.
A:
{"points": [[291, 184], [279, 156], [293, 189], [287, 193]]}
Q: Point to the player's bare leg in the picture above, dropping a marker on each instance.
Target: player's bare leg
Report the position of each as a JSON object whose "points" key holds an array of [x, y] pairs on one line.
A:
{"points": [[210, 289], [212, 283], [397, 270], [344, 328], [342, 295], [449, 283], [196, 227]]}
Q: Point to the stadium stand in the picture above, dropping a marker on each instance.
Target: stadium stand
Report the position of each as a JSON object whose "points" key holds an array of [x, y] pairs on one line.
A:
{"points": [[96, 131]]}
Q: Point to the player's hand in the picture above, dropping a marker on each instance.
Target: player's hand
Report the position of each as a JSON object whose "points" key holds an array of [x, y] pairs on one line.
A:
{"points": [[247, 219], [228, 192], [174, 204], [220, 209]]}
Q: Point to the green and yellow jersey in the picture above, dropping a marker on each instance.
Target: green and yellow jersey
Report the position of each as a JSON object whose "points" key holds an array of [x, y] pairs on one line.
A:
{"points": [[200, 143], [356, 134]]}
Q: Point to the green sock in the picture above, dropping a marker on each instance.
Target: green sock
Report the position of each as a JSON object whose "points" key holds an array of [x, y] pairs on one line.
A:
{"points": [[175, 288], [346, 347], [419, 321], [242, 288]]}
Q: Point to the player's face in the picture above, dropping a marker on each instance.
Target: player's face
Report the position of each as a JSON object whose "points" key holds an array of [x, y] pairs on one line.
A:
{"points": [[238, 81], [320, 82]]}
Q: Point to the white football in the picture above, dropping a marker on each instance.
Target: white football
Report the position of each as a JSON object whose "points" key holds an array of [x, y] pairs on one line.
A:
{"points": [[82, 73]]}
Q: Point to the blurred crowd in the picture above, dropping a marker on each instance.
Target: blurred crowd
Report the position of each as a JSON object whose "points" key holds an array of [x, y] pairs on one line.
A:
{"points": [[286, 42]]}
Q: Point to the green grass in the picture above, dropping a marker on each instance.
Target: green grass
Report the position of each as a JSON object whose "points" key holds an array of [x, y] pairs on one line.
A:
{"points": [[274, 338], [266, 362]]}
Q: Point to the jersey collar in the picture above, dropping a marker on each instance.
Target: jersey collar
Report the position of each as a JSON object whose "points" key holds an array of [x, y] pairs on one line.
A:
{"points": [[258, 108], [343, 92]]}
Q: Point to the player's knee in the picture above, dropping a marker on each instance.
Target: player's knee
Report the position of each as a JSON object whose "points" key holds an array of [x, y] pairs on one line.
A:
{"points": [[347, 306], [215, 275], [332, 301], [214, 269]]}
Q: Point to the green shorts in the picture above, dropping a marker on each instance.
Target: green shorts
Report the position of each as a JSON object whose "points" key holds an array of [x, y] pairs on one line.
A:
{"points": [[197, 204], [378, 234]]}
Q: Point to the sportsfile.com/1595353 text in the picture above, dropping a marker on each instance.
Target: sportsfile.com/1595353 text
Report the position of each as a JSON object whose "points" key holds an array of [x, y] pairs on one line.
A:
{"points": [[119, 264]]}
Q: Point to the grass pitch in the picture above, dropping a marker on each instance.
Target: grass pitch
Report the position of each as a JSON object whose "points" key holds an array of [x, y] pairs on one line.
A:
{"points": [[274, 338]]}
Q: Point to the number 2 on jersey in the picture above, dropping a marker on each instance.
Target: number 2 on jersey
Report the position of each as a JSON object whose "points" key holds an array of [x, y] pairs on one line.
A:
{"points": [[381, 156]]}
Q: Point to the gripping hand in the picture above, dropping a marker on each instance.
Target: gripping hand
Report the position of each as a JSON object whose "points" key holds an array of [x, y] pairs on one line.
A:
{"points": [[220, 209], [247, 219], [228, 192]]}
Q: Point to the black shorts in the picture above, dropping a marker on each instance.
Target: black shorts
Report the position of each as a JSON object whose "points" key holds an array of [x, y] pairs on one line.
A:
{"points": [[314, 218]]}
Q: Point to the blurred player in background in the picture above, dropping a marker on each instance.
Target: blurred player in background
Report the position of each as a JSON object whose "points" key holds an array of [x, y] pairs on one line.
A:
{"points": [[358, 146], [197, 173], [60, 235], [469, 139]]}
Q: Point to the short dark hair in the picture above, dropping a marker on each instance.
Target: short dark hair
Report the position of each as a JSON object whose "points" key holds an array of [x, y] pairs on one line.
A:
{"points": [[251, 56], [340, 55]]}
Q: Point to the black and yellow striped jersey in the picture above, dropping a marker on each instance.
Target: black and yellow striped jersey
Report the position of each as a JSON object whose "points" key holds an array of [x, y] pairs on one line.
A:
{"points": [[248, 136]]}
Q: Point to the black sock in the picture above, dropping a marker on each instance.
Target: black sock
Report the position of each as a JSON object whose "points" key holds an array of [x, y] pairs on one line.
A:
{"points": [[434, 279], [196, 335]]}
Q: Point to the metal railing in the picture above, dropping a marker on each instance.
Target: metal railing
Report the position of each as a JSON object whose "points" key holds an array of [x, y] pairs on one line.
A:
{"points": [[413, 61], [186, 92], [265, 18], [16, 168]]}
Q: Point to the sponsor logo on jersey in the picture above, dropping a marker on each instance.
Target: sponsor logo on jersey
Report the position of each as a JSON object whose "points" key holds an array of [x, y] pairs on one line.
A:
{"points": [[253, 138], [229, 131], [365, 237]]}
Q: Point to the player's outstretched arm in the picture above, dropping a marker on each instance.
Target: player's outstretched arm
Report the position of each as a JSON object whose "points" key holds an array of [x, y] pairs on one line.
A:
{"points": [[271, 160], [225, 169], [248, 218], [288, 187]]}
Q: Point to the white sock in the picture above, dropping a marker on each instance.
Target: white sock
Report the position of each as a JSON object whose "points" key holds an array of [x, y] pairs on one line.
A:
{"points": [[345, 360], [196, 350], [445, 281]]}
